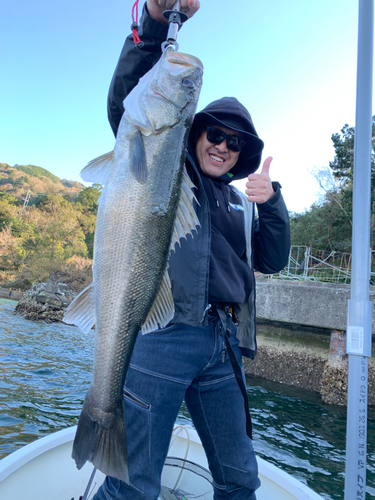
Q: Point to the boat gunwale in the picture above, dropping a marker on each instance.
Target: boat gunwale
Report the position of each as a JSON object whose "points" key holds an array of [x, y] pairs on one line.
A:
{"points": [[26, 454], [11, 463]]}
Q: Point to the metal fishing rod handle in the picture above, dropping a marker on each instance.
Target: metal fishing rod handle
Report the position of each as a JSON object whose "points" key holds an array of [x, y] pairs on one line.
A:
{"points": [[175, 19]]}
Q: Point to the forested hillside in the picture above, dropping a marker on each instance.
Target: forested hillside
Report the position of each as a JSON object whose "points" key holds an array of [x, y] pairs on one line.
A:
{"points": [[53, 231], [20, 179]]}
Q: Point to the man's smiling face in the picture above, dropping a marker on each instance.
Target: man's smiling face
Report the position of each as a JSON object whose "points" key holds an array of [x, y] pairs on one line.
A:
{"points": [[215, 160]]}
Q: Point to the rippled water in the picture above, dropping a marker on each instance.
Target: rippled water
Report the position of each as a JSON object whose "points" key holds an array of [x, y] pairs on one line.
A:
{"points": [[306, 438], [45, 372]]}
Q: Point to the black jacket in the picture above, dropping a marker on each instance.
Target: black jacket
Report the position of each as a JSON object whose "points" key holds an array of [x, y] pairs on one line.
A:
{"points": [[267, 237]]}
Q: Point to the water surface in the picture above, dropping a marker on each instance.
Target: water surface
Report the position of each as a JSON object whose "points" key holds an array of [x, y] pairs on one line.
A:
{"points": [[45, 372]]}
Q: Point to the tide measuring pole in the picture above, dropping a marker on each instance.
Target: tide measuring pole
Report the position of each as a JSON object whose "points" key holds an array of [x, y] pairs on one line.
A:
{"points": [[358, 343]]}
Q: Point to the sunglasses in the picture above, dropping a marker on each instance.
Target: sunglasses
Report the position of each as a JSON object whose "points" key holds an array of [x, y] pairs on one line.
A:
{"points": [[217, 136]]}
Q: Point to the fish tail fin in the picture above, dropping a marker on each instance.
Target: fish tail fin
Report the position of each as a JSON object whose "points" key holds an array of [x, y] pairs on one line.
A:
{"points": [[103, 445]]}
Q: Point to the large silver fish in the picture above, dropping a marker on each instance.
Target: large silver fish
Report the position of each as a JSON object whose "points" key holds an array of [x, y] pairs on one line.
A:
{"points": [[145, 208]]}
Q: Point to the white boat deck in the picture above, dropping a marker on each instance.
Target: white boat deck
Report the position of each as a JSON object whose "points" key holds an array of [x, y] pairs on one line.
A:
{"points": [[45, 469]]}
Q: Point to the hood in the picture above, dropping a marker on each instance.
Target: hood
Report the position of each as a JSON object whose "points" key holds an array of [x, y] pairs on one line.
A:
{"points": [[230, 113]]}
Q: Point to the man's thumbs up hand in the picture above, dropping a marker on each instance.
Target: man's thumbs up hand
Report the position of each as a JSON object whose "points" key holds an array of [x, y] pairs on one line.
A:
{"points": [[259, 187]]}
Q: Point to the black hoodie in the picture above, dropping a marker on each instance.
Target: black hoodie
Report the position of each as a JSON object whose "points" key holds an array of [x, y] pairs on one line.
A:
{"points": [[230, 278], [229, 112]]}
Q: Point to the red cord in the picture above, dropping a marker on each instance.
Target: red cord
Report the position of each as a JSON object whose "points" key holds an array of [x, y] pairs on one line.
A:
{"points": [[136, 38]]}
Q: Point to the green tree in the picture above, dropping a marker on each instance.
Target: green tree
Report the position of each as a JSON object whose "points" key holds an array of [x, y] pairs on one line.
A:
{"points": [[328, 223], [9, 207], [57, 230], [324, 227], [88, 199], [10, 257], [54, 231], [342, 165]]}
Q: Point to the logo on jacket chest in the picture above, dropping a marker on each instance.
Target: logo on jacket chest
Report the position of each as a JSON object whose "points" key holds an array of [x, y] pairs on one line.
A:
{"points": [[237, 207]]}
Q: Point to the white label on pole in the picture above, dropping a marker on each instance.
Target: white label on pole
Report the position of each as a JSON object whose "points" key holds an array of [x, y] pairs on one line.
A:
{"points": [[355, 336]]}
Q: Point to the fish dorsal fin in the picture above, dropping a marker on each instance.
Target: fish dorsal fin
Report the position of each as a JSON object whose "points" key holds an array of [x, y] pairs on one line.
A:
{"points": [[162, 310], [137, 160], [186, 218], [81, 311], [98, 170]]}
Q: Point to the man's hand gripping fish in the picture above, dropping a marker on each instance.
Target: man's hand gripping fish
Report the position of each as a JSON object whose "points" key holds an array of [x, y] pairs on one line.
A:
{"points": [[145, 208]]}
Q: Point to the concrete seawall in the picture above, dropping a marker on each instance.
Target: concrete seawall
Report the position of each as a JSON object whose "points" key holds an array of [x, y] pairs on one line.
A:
{"points": [[6, 293], [301, 337], [308, 303]]}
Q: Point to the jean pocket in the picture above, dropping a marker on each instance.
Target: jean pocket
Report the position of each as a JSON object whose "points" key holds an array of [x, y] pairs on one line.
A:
{"points": [[131, 397], [170, 327]]}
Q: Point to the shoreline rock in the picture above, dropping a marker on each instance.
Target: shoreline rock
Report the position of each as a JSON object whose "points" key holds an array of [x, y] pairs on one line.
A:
{"points": [[45, 301]]}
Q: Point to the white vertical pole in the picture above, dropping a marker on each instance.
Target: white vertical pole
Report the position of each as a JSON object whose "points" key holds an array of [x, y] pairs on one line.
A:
{"points": [[359, 307]]}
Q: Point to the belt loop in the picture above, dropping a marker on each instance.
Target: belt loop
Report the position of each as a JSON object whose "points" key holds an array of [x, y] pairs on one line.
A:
{"points": [[204, 321], [228, 314]]}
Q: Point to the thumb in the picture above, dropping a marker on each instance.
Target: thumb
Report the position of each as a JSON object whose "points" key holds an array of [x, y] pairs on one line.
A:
{"points": [[266, 165]]}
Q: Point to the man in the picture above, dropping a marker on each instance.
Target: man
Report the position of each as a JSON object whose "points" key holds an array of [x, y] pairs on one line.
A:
{"points": [[198, 356]]}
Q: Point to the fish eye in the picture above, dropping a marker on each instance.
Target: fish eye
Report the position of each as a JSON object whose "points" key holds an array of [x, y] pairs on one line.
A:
{"points": [[189, 84]]}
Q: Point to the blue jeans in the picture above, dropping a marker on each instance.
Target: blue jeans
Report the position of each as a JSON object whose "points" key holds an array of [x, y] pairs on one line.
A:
{"points": [[169, 365]]}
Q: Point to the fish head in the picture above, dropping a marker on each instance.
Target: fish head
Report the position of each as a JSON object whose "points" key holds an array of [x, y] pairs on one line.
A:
{"points": [[167, 94]]}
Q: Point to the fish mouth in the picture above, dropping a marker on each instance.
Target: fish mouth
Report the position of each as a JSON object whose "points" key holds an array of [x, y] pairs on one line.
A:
{"points": [[160, 95], [184, 60]]}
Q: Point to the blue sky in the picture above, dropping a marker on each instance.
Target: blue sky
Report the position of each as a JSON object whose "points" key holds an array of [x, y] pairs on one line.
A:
{"points": [[292, 63]]}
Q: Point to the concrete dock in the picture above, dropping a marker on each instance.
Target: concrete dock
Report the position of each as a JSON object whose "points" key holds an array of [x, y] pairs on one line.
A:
{"points": [[301, 335]]}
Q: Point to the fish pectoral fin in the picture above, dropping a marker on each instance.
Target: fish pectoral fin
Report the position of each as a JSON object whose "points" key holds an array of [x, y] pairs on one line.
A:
{"points": [[162, 310], [81, 311], [137, 160], [186, 218], [98, 170]]}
